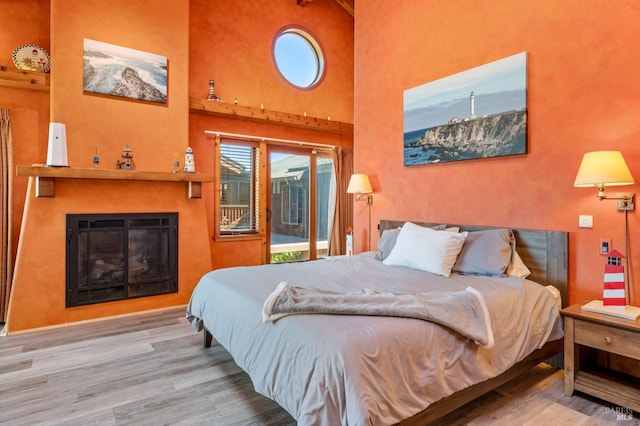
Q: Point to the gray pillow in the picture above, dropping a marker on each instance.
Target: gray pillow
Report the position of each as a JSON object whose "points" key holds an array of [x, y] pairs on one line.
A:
{"points": [[386, 243], [486, 253]]}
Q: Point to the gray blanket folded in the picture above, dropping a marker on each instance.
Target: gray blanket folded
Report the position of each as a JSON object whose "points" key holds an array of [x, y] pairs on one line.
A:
{"points": [[462, 311]]}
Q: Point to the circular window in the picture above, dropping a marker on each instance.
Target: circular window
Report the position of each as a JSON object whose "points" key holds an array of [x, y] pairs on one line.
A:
{"points": [[298, 57]]}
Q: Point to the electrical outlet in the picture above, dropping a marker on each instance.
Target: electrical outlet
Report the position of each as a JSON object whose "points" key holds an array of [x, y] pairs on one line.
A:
{"points": [[623, 204]]}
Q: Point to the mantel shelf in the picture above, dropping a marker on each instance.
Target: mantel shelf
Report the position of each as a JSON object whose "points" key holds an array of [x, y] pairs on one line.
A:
{"points": [[243, 112], [22, 79], [45, 177]]}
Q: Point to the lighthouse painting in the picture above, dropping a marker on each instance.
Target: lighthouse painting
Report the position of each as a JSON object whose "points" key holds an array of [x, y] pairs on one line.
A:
{"points": [[613, 294], [477, 113]]}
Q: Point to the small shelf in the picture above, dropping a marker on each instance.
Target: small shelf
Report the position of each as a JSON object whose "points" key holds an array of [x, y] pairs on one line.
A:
{"points": [[242, 112], [22, 79], [618, 389], [45, 177]]}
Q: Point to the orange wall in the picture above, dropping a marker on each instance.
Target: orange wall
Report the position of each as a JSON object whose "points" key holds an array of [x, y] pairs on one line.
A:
{"points": [[227, 40], [24, 22], [154, 131], [231, 42], [583, 95], [38, 295]]}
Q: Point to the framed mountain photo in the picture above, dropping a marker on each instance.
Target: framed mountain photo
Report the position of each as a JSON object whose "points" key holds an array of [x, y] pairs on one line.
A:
{"points": [[122, 72]]}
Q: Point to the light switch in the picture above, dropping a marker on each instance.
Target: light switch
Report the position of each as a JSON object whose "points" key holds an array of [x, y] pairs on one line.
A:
{"points": [[585, 221]]}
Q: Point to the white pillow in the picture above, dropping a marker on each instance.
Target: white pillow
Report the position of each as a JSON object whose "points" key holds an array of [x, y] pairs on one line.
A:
{"points": [[517, 268], [425, 249]]}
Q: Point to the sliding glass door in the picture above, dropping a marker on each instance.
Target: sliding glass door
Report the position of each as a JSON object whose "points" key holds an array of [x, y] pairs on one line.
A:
{"points": [[302, 183]]}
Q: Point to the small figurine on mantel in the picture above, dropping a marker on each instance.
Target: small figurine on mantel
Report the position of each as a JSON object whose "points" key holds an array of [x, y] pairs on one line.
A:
{"points": [[189, 161], [175, 165], [127, 159], [614, 294], [212, 92]]}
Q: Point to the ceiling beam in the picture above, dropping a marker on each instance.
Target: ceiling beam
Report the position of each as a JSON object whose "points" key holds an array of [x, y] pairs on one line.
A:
{"points": [[348, 5]]}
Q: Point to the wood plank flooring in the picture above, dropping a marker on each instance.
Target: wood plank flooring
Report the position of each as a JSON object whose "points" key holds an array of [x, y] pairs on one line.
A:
{"points": [[151, 369]]}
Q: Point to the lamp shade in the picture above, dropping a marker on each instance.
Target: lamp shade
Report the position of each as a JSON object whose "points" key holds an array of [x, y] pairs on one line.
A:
{"points": [[603, 168], [359, 183]]}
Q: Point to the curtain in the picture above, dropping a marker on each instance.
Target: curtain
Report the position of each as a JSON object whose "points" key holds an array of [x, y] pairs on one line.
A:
{"points": [[343, 212], [6, 182]]}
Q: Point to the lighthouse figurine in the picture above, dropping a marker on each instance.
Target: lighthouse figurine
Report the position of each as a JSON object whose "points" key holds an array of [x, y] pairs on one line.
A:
{"points": [[613, 294], [189, 161]]}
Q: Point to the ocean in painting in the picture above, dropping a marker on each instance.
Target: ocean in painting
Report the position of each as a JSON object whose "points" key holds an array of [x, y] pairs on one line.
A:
{"points": [[107, 73], [103, 66], [414, 155]]}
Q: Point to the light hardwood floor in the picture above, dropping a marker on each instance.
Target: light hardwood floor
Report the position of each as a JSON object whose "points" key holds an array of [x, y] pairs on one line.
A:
{"points": [[151, 369]]}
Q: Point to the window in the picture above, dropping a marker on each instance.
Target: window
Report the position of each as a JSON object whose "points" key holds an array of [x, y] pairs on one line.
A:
{"points": [[301, 203], [238, 192], [294, 202], [298, 57]]}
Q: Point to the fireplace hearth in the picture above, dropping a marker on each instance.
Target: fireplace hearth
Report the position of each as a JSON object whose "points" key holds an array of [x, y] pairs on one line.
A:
{"points": [[120, 256]]}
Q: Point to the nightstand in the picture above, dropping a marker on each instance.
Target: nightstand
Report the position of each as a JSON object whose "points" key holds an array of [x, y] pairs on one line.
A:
{"points": [[602, 356]]}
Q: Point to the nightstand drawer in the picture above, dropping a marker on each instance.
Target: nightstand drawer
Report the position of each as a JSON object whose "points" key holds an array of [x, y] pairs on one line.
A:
{"points": [[610, 339]]}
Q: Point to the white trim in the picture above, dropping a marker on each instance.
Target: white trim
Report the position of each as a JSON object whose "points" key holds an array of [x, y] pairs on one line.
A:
{"points": [[265, 139]]}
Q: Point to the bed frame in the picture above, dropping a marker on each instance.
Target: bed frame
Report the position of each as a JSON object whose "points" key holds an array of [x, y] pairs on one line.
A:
{"points": [[546, 254]]}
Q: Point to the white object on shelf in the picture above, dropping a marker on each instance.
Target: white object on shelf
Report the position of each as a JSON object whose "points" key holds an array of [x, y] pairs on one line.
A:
{"points": [[629, 312], [189, 161], [57, 147]]}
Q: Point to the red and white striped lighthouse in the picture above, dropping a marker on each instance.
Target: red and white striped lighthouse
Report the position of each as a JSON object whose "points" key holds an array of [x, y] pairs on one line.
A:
{"points": [[614, 289]]}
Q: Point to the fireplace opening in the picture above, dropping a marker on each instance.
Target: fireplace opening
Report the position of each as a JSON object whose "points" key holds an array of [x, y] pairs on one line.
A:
{"points": [[120, 256]]}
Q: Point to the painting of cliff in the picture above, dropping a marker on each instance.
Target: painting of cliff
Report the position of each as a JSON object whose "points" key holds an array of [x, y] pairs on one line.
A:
{"points": [[478, 113], [119, 71]]}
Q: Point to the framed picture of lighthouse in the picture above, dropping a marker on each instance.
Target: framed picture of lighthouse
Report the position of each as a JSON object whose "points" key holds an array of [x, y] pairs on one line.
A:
{"points": [[478, 113]]}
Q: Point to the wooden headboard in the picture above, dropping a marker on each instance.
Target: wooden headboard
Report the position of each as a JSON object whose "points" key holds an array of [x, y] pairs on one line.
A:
{"points": [[546, 253]]}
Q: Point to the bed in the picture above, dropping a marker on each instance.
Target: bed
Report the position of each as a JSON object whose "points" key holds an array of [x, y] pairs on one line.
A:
{"points": [[366, 369]]}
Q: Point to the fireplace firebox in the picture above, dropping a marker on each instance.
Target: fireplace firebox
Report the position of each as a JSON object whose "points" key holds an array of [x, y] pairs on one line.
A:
{"points": [[120, 256]]}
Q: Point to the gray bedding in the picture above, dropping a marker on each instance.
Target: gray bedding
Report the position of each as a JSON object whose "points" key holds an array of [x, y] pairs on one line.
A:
{"points": [[361, 370], [462, 311]]}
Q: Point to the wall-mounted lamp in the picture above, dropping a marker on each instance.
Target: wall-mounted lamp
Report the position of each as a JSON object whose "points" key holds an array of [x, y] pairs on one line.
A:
{"points": [[606, 168], [359, 184]]}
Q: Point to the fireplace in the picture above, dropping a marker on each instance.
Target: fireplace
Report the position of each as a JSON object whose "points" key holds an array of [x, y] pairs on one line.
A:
{"points": [[120, 256]]}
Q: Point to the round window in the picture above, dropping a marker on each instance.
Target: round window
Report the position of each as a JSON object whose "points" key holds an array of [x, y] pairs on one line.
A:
{"points": [[298, 57]]}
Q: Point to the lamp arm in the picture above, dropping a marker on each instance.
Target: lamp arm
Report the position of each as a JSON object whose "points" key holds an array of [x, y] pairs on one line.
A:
{"points": [[601, 195], [604, 197]]}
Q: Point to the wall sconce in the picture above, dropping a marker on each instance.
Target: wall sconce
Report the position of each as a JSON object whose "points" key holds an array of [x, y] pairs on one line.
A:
{"points": [[606, 168], [359, 184]]}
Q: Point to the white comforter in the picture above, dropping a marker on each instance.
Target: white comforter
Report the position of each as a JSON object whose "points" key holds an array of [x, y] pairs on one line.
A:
{"points": [[362, 370]]}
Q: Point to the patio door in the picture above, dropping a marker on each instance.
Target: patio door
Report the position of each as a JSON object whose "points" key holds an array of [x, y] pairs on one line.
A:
{"points": [[302, 185]]}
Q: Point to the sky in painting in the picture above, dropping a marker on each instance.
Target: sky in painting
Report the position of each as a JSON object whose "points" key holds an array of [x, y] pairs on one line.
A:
{"points": [[498, 87]]}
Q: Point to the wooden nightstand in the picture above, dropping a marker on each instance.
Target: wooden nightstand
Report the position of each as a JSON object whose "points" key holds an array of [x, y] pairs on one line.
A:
{"points": [[602, 356]]}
